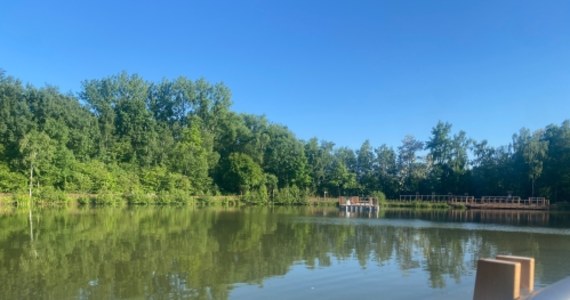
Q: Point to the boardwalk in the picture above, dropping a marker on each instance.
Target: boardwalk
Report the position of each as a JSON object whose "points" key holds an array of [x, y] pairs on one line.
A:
{"points": [[485, 202], [494, 202], [356, 204]]}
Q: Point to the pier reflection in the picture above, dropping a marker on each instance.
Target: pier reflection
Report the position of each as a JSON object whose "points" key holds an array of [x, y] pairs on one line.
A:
{"points": [[503, 217]]}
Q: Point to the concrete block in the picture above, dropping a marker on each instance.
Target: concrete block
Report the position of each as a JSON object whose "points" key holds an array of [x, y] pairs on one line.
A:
{"points": [[527, 270], [497, 279]]}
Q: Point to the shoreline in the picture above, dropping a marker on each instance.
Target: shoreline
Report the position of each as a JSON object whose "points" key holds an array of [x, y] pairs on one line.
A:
{"points": [[116, 199]]}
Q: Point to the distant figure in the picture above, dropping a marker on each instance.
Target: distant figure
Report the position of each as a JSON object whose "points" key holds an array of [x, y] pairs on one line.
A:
{"points": [[348, 202]]}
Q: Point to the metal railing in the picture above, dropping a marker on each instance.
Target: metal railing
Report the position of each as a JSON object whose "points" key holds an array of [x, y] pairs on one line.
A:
{"points": [[531, 201]]}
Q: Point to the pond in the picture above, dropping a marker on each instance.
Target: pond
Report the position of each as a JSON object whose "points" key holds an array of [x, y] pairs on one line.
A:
{"points": [[267, 253]]}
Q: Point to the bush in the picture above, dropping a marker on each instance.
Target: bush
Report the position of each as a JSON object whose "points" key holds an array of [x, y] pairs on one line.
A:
{"points": [[378, 195], [139, 198], [10, 181], [174, 197], [290, 195], [205, 200], [21, 198], [106, 198], [50, 195], [84, 200], [258, 196]]}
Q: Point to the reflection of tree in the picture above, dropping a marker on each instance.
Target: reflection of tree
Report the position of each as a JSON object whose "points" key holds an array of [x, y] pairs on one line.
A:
{"points": [[405, 238], [443, 252], [201, 254]]}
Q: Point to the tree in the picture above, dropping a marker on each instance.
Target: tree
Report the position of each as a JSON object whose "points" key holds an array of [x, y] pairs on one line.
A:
{"points": [[190, 157], [124, 134], [285, 158], [440, 144], [256, 137], [341, 178], [411, 170], [535, 155], [99, 96], [485, 169], [319, 160], [448, 157], [37, 150], [365, 161], [348, 157], [243, 174], [9, 181], [459, 163], [529, 154], [16, 119], [386, 171], [440, 147], [534, 151], [556, 177]]}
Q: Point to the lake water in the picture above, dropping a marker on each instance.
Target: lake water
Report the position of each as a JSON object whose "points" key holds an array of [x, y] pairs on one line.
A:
{"points": [[265, 253]]}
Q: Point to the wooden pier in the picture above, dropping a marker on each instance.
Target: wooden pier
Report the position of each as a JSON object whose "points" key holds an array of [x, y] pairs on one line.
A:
{"points": [[355, 204], [485, 202], [509, 202]]}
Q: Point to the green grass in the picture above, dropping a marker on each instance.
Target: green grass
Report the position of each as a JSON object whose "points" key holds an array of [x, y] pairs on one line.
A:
{"points": [[415, 204], [320, 201]]}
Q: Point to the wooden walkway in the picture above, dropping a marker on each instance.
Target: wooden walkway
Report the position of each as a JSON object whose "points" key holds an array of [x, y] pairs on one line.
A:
{"points": [[493, 202], [354, 203], [485, 202]]}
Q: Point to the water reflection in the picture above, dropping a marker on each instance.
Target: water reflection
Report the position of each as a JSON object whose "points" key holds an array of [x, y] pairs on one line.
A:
{"points": [[504, 217], [204, 254]]}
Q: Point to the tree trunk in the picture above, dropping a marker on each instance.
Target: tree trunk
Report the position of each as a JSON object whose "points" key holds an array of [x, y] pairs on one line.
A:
{"points": [[31, 182], [30, 204]]}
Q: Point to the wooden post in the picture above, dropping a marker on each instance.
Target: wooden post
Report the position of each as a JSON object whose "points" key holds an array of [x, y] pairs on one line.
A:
{"points": [[527, 270], [497, 279]]}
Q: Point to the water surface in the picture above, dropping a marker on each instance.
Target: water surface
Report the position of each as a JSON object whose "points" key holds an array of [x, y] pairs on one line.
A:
{"points": [[267, 253]]}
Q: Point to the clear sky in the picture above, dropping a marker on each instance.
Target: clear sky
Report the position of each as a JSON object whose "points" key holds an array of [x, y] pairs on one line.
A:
{"points": [[343, 71]]}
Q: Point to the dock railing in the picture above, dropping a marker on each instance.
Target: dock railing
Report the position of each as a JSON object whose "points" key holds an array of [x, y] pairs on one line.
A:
{"points": [[437, 198], [356, 200], [499, 200], [355, 203], [514, 201], [352, 200], [538, 201]]}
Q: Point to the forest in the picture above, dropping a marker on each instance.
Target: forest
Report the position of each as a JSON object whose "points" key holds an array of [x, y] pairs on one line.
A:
{"points": [[169, 140]]}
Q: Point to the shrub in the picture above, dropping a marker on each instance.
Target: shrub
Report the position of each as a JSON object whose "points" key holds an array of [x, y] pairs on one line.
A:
{"points": [[380, 196], [50, 195], [204, 200], [106, 198]]}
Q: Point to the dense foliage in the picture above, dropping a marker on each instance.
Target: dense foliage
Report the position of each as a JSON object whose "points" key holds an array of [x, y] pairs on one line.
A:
{"points": [[124, 135]]}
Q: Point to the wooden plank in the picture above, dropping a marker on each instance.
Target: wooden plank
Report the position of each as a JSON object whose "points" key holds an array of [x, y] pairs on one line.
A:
{"points": [[527, 270], [497, 280]]}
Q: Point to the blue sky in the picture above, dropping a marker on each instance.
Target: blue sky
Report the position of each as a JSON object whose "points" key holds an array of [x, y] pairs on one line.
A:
{"points": [[342, 71]]}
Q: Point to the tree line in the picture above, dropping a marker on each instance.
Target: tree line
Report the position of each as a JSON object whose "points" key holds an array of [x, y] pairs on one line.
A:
{"points": [[123, 134]]}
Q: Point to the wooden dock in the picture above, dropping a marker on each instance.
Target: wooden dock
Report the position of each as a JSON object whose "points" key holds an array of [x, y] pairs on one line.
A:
{"points": [[509, 202], [355, 204], [485, 202]]}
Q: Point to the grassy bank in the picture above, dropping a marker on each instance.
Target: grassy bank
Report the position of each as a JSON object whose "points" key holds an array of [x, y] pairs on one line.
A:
{"points": [[56, 198], [415, 204]]}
